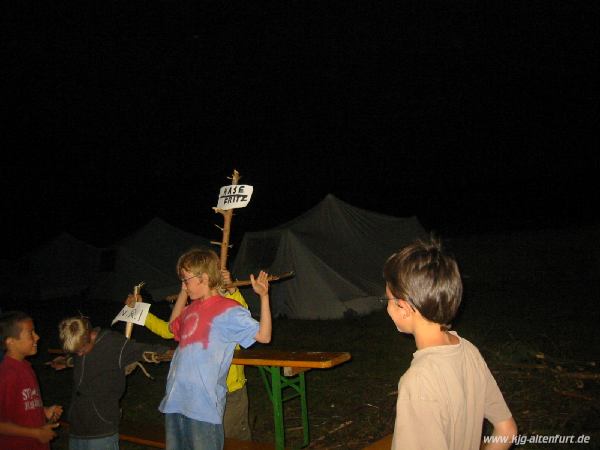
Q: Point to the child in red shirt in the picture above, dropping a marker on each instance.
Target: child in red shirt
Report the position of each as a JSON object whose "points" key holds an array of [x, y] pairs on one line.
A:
{"points": [[25, 424]]}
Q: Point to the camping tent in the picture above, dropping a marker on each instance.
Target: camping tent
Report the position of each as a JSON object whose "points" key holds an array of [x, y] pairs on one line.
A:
{"points": [[336, 251], [62, 267], [149, 255]]}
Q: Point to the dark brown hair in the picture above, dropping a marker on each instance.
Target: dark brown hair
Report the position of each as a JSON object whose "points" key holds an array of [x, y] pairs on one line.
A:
{"points": [[10, 325], [422, 274]]}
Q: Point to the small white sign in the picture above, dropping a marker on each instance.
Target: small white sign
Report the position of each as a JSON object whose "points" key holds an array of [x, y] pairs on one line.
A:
{"points": [[234, 196], [136, 315]]}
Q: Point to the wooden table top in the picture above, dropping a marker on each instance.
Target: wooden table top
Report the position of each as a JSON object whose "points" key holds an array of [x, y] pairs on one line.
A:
{"points": [[279, 358], [282, 358]]}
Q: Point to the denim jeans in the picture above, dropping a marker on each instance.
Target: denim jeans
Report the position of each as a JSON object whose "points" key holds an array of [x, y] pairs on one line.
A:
{"points": [[184, 433], [105, 443]]}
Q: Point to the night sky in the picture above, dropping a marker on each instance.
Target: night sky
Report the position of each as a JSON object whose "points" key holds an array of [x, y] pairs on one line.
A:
{"points": [[473, 116]]}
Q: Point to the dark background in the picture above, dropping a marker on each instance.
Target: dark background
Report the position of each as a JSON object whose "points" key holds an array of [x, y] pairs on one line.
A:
{"points": [[474, 116]]}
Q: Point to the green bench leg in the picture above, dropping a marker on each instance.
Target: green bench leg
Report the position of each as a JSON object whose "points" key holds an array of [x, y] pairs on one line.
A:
{"points": [[304, 407], [275, 384]]}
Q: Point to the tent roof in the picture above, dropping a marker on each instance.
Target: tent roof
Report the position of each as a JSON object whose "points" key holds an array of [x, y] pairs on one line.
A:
{"points": [[63, 266], [149, 254], [337, 252], [160, 243]]}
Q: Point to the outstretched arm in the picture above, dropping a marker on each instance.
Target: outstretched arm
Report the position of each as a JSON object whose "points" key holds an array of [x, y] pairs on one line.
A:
{"points": [[133, 351], [265, 326], [61, 362], [153, 323]]}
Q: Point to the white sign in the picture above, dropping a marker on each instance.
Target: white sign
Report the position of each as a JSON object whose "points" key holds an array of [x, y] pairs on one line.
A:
{"points": [[136, 315], [234, 196]]}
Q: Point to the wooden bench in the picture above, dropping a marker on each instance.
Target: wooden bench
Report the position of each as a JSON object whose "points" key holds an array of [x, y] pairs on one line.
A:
{"points": [[154, 437], [382, 444]]}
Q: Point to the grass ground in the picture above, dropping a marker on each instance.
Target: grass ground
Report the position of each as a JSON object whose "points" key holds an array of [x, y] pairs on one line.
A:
{"points": [[539, 338]]}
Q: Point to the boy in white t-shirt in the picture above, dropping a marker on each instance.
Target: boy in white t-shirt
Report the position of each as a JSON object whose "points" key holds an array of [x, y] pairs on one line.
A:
{"points": [[448, 389]]}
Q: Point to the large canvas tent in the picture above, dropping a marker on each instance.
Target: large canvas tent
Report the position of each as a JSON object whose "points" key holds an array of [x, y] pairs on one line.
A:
{"points": [[336, 251], [62, 267], [149, 255]]}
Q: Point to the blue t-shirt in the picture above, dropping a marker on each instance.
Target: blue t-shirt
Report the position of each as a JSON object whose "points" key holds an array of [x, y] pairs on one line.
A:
{"points": [[208, 332]]}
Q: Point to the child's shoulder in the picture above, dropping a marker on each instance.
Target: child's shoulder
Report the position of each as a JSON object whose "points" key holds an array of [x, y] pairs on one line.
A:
{"points": [[220, 302], [106, 335], [468, 347], [11, 371], [216, 306], [10, 366], [230, 307], [418, 383]]}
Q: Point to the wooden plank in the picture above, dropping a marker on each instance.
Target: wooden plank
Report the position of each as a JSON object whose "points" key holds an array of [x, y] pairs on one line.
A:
{"points": [[281, 358]]}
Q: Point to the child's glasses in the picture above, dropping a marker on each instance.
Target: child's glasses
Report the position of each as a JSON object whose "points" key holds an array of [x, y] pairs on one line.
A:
{"points": [[384, 300], [185, 280]]}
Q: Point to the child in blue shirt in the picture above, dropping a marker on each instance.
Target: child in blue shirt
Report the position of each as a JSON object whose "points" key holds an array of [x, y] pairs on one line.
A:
{"points": [[208, 331]]}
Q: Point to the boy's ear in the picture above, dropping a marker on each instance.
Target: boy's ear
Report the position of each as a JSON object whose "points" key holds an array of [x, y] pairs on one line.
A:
{"points": [[406, 306]]}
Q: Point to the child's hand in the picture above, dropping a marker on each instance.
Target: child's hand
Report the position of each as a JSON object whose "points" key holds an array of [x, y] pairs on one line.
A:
{"points": [[260, 284], [227, 280], [58, 363], [131, 299], [46, 433], [226, 276], [53, 413]]}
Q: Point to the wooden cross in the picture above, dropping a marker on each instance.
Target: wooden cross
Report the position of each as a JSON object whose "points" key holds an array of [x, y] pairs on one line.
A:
{"points": [[227, 215]]}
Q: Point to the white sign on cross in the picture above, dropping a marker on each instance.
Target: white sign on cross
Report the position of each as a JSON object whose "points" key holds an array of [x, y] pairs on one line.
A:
{"points": [[136, 315], [234, 196]]}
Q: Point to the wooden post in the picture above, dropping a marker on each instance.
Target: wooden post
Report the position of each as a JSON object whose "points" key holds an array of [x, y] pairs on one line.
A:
{"points": [[136, 292], [227, 215]]}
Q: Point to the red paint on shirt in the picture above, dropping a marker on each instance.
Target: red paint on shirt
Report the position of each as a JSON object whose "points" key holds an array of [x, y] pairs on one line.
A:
{"points": [[195, 322]]}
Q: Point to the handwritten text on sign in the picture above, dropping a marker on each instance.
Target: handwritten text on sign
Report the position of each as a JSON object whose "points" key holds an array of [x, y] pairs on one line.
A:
{"points": [[135, 315], [234, 196]]}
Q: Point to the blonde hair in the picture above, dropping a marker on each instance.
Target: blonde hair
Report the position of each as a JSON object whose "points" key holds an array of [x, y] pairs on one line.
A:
{"points": [[199, 261], [74, 333]]}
